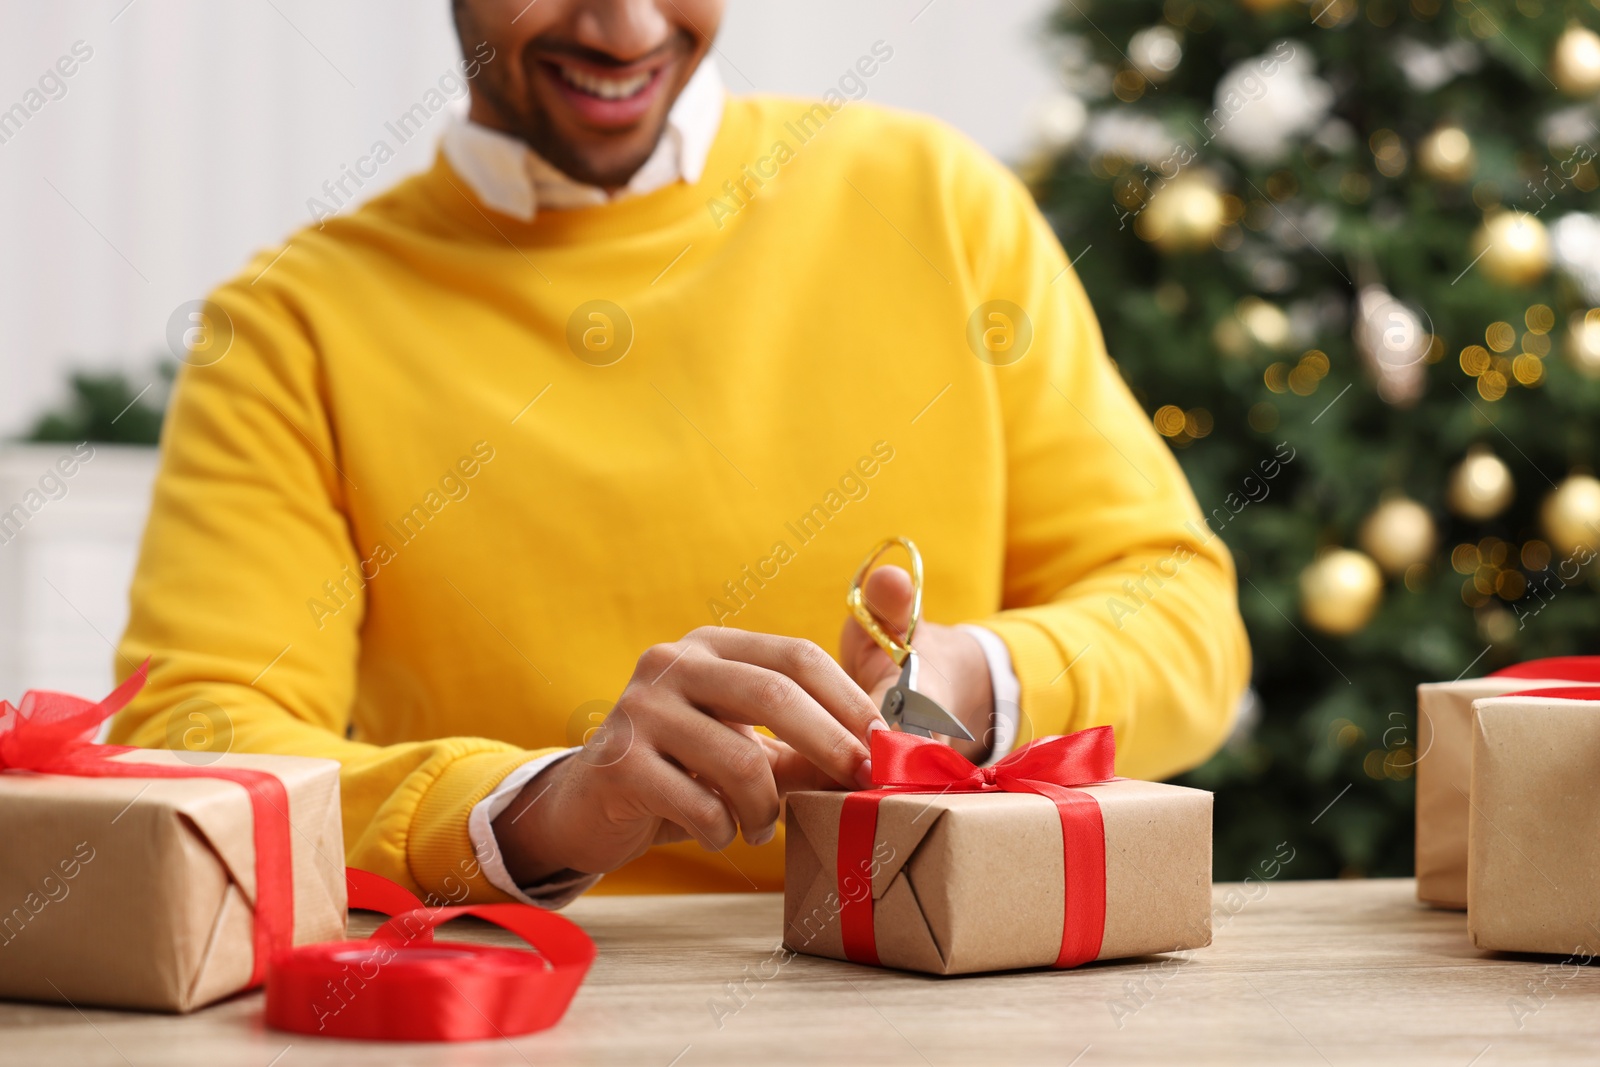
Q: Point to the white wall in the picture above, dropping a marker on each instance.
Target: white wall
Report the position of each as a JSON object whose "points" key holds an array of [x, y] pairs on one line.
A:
{"points": [[195, 133]]}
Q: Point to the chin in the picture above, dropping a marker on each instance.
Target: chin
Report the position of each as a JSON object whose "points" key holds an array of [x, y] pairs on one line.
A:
{"points": [[608, 165]]}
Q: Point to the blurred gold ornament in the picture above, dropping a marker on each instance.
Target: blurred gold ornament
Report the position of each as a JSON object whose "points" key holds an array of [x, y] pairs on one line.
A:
{"points": [[1183, 215], [1571, 514], [1513, 247], [1481, 486], [1340, 591], [1575, 61], [1397, 534], [1262, 6], [1447, 155], [1583, 343], [1264, 322]]}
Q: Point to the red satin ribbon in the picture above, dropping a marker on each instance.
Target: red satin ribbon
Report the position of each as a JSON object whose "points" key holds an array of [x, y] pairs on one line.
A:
{"points": [[1571, 692], [401, 985], [52, 733], [1049, 767], [1561, 668]]}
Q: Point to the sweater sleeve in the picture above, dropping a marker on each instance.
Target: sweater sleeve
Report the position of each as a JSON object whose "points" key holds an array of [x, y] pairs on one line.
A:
{"points": [[247, 522], [1119, 605]]}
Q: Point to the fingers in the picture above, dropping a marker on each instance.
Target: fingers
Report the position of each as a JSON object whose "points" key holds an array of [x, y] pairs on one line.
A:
{"points": [[792, 772], [732, 761], [668, 793], [806, 664], [746, 693]]}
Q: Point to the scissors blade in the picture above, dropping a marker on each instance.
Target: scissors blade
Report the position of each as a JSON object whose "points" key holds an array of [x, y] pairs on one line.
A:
{"points": [[923, 716], [918, 714]]}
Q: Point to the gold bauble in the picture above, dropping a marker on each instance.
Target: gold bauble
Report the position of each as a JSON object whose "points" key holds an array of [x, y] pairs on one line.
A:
{"points": [[1265, 323], [1183, 215], [1513, 248], [1261, 7], [1340, 591], [1583, 343], [1447, 155], [1575, 62], [1571, 514], [1481, 486], [1398, 534]]}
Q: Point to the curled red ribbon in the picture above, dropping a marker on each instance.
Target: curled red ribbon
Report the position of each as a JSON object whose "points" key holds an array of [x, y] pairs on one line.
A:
{"points": [[1049, 767], [402, 985], [52, 733]]}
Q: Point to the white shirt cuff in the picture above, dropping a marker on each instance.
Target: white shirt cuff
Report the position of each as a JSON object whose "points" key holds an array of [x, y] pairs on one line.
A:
{"points": [[556, 891], [1007, 719]]}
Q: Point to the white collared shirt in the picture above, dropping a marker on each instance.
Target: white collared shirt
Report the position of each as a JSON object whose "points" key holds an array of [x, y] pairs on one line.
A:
{"points": [[512, 179]]}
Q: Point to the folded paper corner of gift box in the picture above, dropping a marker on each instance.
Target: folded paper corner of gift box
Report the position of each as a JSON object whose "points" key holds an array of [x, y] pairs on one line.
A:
{"points": [[815, 893]]}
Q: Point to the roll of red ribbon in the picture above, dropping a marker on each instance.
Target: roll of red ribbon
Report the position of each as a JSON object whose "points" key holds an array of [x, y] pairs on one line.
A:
{"points": [[401, 985]]}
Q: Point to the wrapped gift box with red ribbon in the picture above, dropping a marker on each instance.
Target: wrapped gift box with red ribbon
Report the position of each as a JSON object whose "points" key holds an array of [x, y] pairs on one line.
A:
{"points": [[1534, 872], [158, 880], [1444, 765], [1043, 860]]}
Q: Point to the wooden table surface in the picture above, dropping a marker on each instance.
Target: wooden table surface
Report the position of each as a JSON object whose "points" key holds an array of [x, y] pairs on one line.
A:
{"points": [[1304, 973]]}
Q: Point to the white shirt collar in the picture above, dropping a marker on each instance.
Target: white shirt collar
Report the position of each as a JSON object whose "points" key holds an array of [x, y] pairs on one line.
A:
{"points": [[514, 180]]}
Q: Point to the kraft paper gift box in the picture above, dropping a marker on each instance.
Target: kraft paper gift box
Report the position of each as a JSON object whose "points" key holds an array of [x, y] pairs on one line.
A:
{"points": [[1444, 766], [141, 892], [976, 881], [1534, 874]]}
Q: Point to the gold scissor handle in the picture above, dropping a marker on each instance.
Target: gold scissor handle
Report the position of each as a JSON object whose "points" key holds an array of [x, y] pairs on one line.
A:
{"points": [[856, 600]]}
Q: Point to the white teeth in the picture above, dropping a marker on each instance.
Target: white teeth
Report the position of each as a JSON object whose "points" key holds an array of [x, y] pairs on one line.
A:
{"points": [[605, 88]]}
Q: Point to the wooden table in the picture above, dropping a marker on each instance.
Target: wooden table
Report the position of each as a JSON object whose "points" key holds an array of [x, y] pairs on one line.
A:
{"points": [[1304, 973]]}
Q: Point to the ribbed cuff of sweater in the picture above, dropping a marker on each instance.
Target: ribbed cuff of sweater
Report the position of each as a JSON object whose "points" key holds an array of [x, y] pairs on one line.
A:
{"points": [[1042, 665], [439, 851]]}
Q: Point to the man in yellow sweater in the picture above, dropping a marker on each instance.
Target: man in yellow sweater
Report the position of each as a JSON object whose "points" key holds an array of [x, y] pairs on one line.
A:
{"points": [[591, 423]]}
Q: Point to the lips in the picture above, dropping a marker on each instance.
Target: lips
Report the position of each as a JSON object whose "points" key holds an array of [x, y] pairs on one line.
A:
{"points": [[604, 98], [604, 88]]}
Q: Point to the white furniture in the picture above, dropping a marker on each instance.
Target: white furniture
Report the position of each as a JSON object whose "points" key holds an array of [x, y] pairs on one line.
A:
{"points": [[67, 550]]}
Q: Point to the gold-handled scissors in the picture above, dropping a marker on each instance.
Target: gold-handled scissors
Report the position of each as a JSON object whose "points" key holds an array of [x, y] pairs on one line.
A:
{"points": [[914, 712]]}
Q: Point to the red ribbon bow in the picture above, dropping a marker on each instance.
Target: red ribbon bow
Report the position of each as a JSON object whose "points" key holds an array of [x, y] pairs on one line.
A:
{"points": [[52, 733], [1049, 767]]}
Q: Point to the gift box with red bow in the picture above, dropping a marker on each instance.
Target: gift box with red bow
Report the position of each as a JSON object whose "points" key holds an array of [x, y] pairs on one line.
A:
{"points": [[160, 880], [1044, 860], [1533, 881], [1444, 765]]}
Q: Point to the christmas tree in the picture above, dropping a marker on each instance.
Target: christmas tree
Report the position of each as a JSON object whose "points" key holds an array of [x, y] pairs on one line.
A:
{"points": [[1345, 255]]}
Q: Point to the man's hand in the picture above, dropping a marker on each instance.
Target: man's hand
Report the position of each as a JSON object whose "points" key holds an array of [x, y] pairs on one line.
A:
{"points": [[954, 671], [679, 756]]}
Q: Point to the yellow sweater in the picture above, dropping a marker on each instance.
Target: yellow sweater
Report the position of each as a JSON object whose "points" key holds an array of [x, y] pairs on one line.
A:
{"points": [[401, 524]]}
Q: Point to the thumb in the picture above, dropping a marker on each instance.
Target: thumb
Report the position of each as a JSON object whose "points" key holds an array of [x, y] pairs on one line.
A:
{"points": [[888, 594]]}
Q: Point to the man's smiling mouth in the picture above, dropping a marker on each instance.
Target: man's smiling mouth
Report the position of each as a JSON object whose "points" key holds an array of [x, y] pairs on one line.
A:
{"points": [[602, 87]]}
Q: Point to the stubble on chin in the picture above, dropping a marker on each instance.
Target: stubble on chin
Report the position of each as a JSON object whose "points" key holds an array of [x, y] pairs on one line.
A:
{"points": [[516, 110]]}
